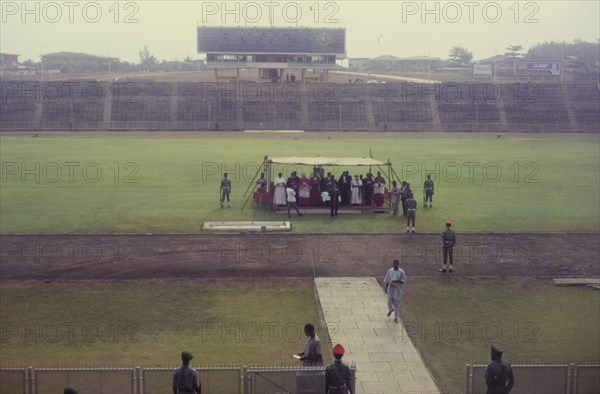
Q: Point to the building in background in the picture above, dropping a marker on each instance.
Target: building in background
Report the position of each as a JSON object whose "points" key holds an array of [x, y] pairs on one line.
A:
{"points": [[279, 54]]}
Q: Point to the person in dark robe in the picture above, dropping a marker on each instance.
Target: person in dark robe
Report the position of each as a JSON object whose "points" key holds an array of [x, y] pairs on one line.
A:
{"points": [[368, 185], [344, 184], [315, 191]]}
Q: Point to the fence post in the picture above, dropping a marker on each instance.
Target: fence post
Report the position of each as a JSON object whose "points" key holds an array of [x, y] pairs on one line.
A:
{"points": [[353, 380], [467, 378], [572, 379], [245, 388], [138, 378], [30, 380]]}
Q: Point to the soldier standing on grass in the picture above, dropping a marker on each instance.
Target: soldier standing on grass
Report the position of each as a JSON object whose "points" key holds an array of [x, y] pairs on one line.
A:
{"points": [[185, 379], [428, 191], [498, 374], [395, 198], [411, 213], [337, 374], [449, 239], [225, 189], [403, 197]]}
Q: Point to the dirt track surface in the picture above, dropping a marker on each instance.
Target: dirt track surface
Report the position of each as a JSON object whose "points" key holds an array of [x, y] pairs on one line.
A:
{"points": [[57, 257]]}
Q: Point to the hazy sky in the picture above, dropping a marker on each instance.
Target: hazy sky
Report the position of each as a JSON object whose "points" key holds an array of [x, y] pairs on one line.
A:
{"points": [[373, 28]]}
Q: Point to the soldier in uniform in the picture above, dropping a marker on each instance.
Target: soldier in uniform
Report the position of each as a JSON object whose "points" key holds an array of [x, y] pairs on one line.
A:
{"points": [[428, 190], [224, 190], [334, 201], [403, 197], [185, 379], [498, 374], [395, 198], [411, 213], [337, 374], [449, 239]]}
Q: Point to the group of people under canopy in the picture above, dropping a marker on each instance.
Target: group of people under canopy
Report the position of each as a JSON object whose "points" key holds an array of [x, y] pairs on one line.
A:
{"points": [[316, 188]]}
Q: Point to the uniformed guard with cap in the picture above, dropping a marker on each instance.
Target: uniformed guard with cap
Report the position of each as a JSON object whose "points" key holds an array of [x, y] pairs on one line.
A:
{"points": [[449, 239], [411, 212], [70, 390], [225, 190], [428, 191], [498, 374], [338, 375], [185, 379]]}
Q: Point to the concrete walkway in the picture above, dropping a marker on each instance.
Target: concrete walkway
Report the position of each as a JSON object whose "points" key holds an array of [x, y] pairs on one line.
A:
{"points": [[386, 361]]}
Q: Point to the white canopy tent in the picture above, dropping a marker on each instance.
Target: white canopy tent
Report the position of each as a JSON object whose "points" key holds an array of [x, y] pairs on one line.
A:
{"points": [[268, 162], [326, 161]]}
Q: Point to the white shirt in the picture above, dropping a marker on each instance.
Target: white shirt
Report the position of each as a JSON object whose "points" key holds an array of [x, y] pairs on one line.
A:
{"points": [[291, 194]]}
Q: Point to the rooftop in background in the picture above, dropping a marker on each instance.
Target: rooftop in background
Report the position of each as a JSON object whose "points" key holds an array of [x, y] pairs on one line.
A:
{"points": [[272, 40], [74, 55]]}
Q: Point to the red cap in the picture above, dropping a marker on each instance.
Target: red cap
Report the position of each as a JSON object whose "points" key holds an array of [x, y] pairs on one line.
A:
{"points": [[448, 221], [339, 350]]}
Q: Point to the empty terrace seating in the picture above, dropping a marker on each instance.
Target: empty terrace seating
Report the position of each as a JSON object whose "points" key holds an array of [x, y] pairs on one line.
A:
{"points": [[585, 102], [399, 111], [468, 112], [145, 105], [330, 112], [73, 105], [534, 103], [72, 115], [16, 115]]}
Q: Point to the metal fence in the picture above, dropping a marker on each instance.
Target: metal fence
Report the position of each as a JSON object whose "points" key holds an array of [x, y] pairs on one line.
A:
{"points": [[541, 379], [215, 380]]}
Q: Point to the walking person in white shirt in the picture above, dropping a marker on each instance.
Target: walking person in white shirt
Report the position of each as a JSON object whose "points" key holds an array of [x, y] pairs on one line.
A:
{"points": [[394, 281]]}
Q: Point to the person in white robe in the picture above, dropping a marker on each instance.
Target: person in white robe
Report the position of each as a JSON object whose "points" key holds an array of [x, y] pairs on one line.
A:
{"points": [[279, 197], [355, 198]]}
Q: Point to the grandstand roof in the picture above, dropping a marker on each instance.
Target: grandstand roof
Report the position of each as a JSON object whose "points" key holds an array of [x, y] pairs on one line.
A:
{"points": [[327, 161], [271, 40]]}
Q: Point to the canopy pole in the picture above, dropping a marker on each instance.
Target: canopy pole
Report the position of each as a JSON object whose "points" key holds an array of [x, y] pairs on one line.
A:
{"points": [[269, 167], [249, 196]]}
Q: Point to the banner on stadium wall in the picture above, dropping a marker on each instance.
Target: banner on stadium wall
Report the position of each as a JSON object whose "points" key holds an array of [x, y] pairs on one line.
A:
{"points": [[483, 70], [537, 68]]}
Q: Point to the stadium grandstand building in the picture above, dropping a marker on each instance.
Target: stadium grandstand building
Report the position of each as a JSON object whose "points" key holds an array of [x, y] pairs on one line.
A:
{"points": [[279, 54]]}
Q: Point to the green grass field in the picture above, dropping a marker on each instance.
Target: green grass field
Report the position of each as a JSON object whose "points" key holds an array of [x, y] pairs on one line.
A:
{"points": [[161, 185], [150, 323], [453, 322]]}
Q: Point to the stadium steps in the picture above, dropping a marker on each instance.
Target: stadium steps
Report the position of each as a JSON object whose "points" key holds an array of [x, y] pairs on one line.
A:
{"points": [[568, 106], [107, 106], [435, 114], [370, 115], [502, 112]]}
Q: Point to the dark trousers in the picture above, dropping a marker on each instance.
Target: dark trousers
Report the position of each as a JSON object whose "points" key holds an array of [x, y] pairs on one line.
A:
{"points": [[448, 253], [428, 196], [295, 206], [333, 204], [403, 201], [368, 196], [411, 216]]}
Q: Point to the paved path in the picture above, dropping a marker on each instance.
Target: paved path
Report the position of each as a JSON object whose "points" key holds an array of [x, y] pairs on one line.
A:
{"points": [[386, 361]]}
